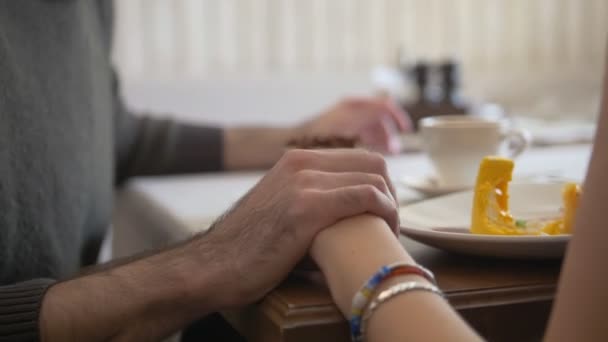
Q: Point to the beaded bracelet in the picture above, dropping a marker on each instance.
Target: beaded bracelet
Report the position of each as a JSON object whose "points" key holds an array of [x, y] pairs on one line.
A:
{"points": [[394, 291], [362, 298]]}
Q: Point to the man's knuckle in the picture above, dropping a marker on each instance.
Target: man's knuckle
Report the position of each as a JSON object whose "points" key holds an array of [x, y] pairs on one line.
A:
{"points": [[300, 205], [304, 178], [379, 182], [295, 212], [369, 193], [378, 161], [297, 159]]}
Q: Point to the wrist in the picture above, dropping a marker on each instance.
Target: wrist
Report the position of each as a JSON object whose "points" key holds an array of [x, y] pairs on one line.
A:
{"points": [[208, 274], [151, 297], [351, 251], [253, 148], [173, 287]]}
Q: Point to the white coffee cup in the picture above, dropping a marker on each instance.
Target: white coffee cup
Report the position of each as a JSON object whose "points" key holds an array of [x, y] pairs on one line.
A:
{"points": [[456, 144]]}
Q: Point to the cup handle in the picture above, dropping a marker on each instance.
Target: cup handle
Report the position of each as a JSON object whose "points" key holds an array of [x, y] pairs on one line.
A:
{"points": [[517, 141]]}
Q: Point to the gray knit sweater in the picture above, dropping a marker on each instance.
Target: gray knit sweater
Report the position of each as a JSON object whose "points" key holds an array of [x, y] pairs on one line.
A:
{"points": [[65, 142]]}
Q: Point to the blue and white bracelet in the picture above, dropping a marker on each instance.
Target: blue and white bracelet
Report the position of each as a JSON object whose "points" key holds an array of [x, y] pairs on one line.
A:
{"points": [[364, 295]]}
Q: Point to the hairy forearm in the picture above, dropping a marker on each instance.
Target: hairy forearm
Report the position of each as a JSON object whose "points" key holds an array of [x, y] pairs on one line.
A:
{"points": [[255, 147], [351, 251], [143, 300]]}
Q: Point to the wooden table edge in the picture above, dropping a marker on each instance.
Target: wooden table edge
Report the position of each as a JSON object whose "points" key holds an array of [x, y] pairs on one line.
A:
{"points": [[276, 313]]}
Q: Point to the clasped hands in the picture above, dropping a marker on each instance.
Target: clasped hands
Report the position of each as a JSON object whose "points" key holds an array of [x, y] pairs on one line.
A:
{"points": [[272, 227]]}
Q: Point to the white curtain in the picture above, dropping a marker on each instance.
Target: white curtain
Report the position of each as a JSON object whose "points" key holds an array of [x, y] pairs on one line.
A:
{"points": [[196, 38]]}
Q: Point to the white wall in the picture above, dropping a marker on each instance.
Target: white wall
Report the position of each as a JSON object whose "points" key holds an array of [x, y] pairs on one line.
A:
{"points": [[194, 38], [288, 48]]}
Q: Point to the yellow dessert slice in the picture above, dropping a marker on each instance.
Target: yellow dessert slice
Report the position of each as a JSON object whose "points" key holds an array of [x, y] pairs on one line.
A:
{"points": [[563, 225], [571, 197], [491, 199], [490, 214]]}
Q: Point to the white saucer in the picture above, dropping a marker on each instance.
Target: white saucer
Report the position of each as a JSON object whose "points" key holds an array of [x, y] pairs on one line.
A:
{"points": [[430, 186], [443, 222]]}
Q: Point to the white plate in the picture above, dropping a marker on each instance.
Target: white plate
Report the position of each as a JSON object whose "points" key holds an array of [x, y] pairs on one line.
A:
{"points": [[443, 222], [429, 185]]}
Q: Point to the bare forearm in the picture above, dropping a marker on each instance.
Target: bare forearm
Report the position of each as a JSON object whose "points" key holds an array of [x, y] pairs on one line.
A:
{"points": [[365, 244], [351, 251], [143, 300], [255, 147], [580, 309]]}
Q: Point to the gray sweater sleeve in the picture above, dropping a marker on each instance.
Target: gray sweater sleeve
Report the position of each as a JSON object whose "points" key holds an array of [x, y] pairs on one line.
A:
{"points": [[151, 146], [144, 146], [19, 309]]}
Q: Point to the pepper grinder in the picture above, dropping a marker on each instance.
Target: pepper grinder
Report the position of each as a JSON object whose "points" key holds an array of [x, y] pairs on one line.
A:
{"points": [[451, 80]]}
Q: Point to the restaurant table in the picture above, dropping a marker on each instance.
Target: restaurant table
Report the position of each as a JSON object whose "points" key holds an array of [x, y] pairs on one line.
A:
{"points": [[504, 300]]}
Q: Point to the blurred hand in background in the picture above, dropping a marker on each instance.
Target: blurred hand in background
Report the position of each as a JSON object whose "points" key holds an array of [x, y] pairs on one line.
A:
{"points": [[375, 122]]}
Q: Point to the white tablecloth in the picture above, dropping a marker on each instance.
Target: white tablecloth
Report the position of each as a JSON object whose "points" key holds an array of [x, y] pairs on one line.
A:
{"points": [[154, 211]]}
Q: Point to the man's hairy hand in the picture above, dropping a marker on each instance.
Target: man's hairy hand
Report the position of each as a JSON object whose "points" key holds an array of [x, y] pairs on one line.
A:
{"points": [[246, 253], [271, 228]]}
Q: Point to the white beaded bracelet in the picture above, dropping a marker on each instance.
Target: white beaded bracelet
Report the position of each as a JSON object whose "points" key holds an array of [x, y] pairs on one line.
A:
{"points": [[394, 291]]}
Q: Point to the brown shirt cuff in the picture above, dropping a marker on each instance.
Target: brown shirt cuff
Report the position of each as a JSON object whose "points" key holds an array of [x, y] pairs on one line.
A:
{"points": [[197, 149], [151, 146], [20, 309]]}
